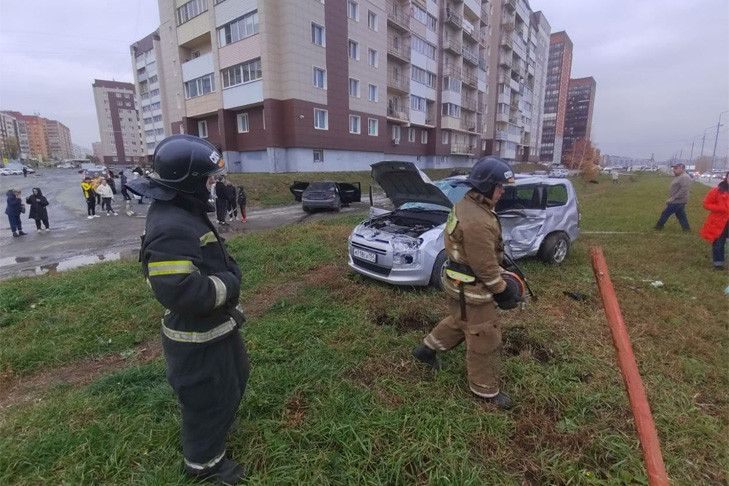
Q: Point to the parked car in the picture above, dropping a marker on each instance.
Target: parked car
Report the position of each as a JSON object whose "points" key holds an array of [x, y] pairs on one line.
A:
{"points": [[559, 173], [8, 171], [539, 217], [540, 173], [29, 170], [325, 194]]}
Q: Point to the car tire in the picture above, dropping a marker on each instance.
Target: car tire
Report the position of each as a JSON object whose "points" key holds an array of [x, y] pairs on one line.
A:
{"points": [[306, 209], [555, 248], [436, 275], [338, 207]]}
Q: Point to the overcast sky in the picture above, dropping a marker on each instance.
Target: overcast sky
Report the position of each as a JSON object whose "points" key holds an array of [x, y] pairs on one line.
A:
{"points": [[661, 66]]}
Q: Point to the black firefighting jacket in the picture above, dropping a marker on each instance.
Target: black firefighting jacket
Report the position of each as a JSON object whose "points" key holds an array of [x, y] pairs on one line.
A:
{"points": [[190, 271]]}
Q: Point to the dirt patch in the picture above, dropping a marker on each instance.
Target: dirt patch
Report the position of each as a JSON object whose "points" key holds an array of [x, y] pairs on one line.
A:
{"points": [[27, 389], [516, 341], [408, 317], [295, 412], [398, 366]]}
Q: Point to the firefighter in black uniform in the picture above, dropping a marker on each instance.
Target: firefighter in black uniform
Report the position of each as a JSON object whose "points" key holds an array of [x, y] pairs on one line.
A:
{"points": [[198, 282]]}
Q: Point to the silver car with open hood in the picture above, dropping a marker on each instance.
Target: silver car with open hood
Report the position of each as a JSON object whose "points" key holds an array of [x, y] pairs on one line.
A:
{"points": [[405, 246]]}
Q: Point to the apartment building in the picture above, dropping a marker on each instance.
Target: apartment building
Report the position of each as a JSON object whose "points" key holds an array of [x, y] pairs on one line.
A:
{"points": [[148, 84], [58, 138], [559, 68], [9, 143], [119, 124], [578, 115], [291, 85], [516, 76]]}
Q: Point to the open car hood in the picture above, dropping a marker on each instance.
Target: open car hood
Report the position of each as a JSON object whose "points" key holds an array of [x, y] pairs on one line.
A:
{"points": [[404, 183]]}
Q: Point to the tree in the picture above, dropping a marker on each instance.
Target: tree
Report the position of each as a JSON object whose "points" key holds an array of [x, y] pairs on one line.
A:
{"points": [[12, 149], [703, 164], [583, 157]]}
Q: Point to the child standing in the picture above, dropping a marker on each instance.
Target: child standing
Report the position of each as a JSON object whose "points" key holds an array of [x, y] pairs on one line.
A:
{"points": [[104, 190]]}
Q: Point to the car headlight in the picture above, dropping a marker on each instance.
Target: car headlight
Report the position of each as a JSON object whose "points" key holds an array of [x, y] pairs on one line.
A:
{"points": [[406, 251]]}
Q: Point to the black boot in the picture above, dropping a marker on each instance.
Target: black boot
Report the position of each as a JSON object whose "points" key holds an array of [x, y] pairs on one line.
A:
{"points": [[20, 233], [501, 400], [225, 472], [15, 234], [427, 355]]}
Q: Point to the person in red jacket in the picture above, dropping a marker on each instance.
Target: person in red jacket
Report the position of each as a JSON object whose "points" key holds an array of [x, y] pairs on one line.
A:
{"points": [[715, 227]]}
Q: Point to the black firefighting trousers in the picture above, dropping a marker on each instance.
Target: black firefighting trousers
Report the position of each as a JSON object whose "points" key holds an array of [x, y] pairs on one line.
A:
{"points": [[209, 381]]}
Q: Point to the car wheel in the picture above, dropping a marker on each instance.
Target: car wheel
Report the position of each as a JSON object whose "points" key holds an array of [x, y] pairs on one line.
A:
{"points": [[306, 209], [555, 248], [436, 276], [338, 207]]}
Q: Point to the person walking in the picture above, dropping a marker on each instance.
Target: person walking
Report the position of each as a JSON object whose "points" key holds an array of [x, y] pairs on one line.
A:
{"points": [[110, 180], [242, 203], [192, 274], [13, 210], [90, 196], [25, 171], [716, 226], [230, 199], [221, 200], [678, 194], [474, 284], [38, 202], [125, 194], [104, 191]]}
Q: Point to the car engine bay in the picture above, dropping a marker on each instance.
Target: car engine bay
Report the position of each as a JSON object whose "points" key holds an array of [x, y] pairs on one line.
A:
{"points": [[411, 223]]}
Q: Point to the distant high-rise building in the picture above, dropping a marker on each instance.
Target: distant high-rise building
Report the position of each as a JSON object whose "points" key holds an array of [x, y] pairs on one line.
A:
{"points": [[149, 81], [9, 142], [578, 117], [119, 127], [555, 97], [58, 138], [96, 149]]}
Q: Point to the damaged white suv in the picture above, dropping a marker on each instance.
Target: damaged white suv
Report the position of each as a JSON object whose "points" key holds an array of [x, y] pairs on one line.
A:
{"points": [[539, 217]]}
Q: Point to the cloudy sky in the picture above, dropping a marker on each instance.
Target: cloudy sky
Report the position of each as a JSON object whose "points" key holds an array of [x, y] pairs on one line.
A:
{"points": [[661, 66]]}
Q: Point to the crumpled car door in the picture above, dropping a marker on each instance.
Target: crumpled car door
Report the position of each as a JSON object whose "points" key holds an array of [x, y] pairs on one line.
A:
{"points": [[350, 192], [522, 215]]}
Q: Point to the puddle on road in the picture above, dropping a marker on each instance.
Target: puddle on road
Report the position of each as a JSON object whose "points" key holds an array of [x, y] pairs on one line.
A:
{"points": [[67, 264]]}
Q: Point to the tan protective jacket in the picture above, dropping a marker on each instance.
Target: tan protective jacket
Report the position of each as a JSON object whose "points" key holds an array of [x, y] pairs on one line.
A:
{"points": [[473, 237]]}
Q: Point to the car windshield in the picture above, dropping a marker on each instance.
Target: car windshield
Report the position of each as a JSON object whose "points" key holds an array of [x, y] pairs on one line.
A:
{"points": [[320, 186], [453, 192]]}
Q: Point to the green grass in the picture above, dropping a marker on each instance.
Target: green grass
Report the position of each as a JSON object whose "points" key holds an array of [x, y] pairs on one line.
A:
{"points": [[334, 396]]}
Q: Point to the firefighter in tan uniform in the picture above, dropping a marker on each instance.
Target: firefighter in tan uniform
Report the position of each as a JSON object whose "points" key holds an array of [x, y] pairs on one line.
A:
{"points": [[474, 284]]}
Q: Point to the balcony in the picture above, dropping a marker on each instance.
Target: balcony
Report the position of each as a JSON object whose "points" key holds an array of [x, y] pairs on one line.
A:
{"points": [[452, 18], [468, 125], [502, 117], [462, 149], [398, 20], [485, 13], [470, 79], [399, 50], [453, 45], [398, 82], [470, 32], [483, 37], [397, 113], [454, 71], [502, 135], [508, 26], [469, 103], [507, 41], [470, 56], [510, 5], [505, 59]]}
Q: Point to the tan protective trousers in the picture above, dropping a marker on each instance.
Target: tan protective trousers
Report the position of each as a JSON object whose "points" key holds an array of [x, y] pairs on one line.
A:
{"points": [[482, 332]]}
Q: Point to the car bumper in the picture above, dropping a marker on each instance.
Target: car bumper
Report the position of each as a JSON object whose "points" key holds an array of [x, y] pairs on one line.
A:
{"points": [[417, 275], [318, 203]]}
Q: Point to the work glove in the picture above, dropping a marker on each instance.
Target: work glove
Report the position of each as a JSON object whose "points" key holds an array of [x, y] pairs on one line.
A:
{"points": [[232, 286], [508, 299]]}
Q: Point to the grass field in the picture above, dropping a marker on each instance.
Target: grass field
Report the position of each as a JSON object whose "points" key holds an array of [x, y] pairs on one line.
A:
{"points": [[334, 396]]}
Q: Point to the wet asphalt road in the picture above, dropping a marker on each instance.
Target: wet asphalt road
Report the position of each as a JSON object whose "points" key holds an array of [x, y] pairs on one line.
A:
{"points": [[75, 240]]}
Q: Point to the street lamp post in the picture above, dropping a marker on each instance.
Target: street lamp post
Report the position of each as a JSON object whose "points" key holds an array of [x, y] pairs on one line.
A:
{"points": [[716, 139]]}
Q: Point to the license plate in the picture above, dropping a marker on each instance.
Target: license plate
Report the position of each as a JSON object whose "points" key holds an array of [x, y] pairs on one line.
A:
{"points": [[364, 255]]}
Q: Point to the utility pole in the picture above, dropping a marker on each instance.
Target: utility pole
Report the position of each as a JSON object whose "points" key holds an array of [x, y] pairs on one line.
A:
{"points": [[691, 157], [716, 139], [703, 139]]}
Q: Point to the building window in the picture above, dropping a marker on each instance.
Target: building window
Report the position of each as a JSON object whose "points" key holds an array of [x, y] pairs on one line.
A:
{"points": [[320, 78], [354, 124], [241, 73], [318, 154], [449, 109], [354, 87], [353, 10], [243, 123], [411, 135], [419, 13], [372, 126], [372, 57], [372, 20], [321, 119], [445, 138], [422, 76], [238, 29], [417, 103], [424, 47], [317, 34], [353, 49], [202, 129], [196, 87], [424, 136], [452, 84], [190, 10], [372, 95]]}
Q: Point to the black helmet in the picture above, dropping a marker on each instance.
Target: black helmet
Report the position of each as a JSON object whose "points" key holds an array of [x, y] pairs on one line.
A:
{"points": [[184, 162], [487, 172]]}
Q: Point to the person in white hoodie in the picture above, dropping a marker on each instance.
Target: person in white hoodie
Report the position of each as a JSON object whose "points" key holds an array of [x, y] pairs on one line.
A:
{"points": [[104, 190]]}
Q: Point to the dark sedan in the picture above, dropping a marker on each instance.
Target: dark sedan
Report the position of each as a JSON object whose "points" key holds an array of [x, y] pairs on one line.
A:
{"points": [[325, 194]]}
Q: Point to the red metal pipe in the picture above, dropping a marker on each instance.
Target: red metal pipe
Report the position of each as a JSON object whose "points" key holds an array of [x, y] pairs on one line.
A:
{"points": [[626, 359]]}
